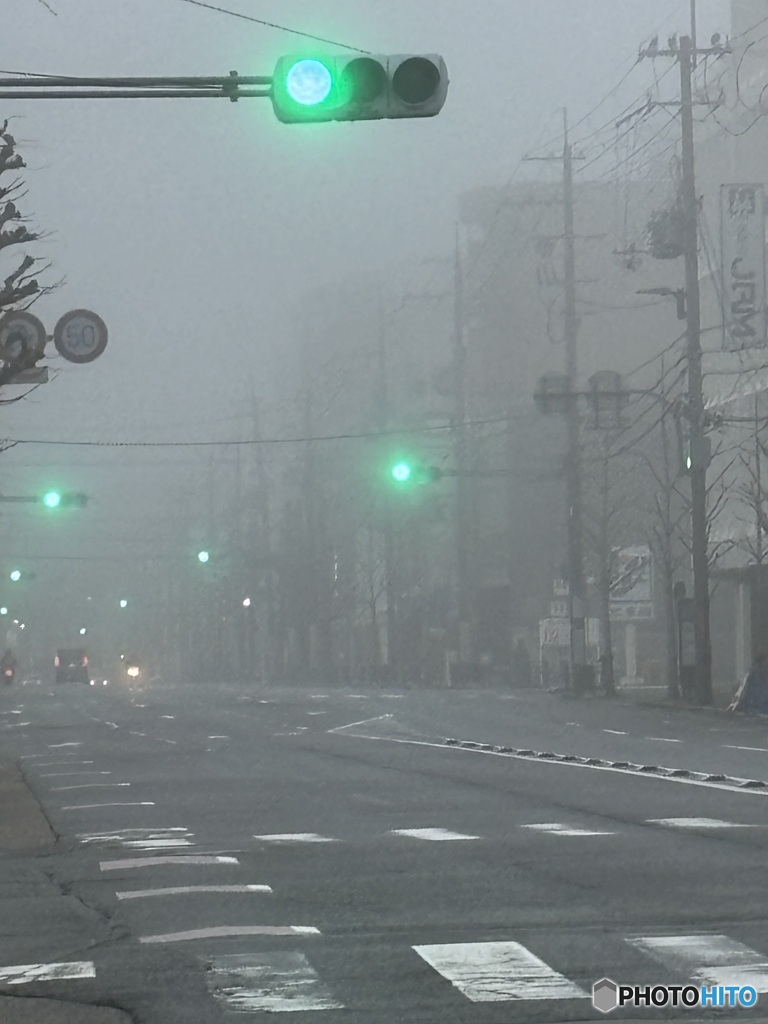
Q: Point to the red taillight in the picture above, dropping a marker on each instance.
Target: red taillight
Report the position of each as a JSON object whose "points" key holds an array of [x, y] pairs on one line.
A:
{"points": [[56, 662], [85, 660]]}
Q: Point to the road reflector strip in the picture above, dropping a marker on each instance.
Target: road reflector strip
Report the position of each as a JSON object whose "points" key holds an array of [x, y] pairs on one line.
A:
{"points": [[496, 971], [431, 834], [227, 931], [268, 983], [27, 973]]}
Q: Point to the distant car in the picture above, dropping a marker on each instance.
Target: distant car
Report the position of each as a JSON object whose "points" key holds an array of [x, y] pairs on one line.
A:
{"points": [[97, 677], [71, 664]]}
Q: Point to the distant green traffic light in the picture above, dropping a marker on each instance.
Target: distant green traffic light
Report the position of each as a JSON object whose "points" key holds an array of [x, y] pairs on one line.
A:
{"points": [[309, 82], [16, 575], [203, 556], [52, 499], [401, 472]]}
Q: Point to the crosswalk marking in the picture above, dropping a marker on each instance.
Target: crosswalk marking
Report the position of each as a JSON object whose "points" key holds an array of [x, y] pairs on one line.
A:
{"points": [[296, 837], [697, 823], [432, 834], [151, 862], [269, 982], [186, 890], [496, 971], [716, 959], [26, 973], [229, 931], [557, 829]]}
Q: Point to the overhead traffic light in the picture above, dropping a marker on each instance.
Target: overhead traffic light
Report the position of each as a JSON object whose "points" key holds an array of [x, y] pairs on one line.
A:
{"points": [[69, 499], [405, 472], [15, 575], [203, 556], [358, 88]]}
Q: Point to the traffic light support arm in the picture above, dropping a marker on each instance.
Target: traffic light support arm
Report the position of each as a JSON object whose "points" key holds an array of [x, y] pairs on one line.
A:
{"points": [[229, 87]]}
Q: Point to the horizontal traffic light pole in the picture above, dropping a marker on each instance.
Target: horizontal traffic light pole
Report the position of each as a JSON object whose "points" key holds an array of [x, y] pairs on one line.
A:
{"points": [[228, 87], [65, 500]]}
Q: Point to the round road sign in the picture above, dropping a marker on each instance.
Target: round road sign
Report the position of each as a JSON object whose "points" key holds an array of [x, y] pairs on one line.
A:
{"points": [[21, 336], [80, 336]]}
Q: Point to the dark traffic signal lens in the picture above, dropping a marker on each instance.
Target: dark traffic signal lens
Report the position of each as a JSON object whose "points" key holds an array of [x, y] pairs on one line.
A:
{"points": [[416, 80], [363, 80]]}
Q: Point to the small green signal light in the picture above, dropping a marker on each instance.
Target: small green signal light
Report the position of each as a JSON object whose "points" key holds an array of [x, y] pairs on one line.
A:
{"points": [[203, 556], [401, 472], [52, 499], [16, 575]]}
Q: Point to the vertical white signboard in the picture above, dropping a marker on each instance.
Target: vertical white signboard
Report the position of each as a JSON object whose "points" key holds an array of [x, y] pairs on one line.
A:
{"points": [[742, 231]]}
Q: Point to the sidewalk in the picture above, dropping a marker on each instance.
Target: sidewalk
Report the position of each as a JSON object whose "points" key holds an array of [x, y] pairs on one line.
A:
{"points": [[26, 840]]}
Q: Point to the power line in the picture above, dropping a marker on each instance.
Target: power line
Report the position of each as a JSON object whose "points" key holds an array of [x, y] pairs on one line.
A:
{"points": [[273, 24]]}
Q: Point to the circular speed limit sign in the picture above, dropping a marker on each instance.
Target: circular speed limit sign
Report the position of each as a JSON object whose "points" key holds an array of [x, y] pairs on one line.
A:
{"points": [[80, 336], [21, 336]]}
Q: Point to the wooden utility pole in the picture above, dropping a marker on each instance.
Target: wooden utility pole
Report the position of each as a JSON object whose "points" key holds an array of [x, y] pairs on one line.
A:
{"points": [[698, 468]]}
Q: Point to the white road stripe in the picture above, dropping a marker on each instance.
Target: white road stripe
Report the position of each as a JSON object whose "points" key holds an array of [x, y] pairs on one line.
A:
{"points": [[662, 739], [226, 931], [61, 775], [296, 837], [268, 983], [555, 828], [433, 834], [27, 973], [60, 764], [183, 890], [152, 862], [364, 721], [715, 959], [218, 737], [613, 732], [732, 746], [495, 971], [156, 844], [57, 746], [140, 834], [89, 785], [88, 807], [698, 823]]}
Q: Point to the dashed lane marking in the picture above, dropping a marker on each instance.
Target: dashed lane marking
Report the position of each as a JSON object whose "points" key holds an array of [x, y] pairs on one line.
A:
{"points": [[613, 732], [183, 890], [154, 862], [663, 739], [555, 828], [225, 931], [57, 746], [698, 823], [732, 746], [296, 837], [89, 785], [89, 807], [27, 973], [268, 983], [61, 775], [433, 834], [495, 971]]}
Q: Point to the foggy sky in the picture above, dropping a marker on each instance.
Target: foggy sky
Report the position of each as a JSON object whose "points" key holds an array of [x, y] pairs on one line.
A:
{"points": [[194, 227]]}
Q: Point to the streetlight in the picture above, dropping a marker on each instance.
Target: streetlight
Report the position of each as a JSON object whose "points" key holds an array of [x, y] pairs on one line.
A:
{"points": [[82, 631], [3, 610], [123, 603], [203, 556], [247, 602]]}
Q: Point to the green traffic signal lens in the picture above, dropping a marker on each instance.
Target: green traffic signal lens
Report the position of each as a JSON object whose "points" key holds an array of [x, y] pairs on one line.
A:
{"points": [[16, 575], [309, 82], [203, 556], [52, 499], [401, 472]]}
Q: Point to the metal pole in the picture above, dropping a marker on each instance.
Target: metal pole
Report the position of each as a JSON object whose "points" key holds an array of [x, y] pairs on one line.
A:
{"points": [[695, 391], [577, 600], [460, 455], [391, 587]]}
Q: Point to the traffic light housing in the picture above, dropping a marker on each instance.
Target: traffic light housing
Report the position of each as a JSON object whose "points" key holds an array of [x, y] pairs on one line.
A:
{"points": [[405, 472], [358, 88]]}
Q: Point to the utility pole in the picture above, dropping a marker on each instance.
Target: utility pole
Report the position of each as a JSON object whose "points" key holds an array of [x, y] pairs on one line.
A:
{"points": [[390, 578], [577, 589], [695, 391], [463, 586]]}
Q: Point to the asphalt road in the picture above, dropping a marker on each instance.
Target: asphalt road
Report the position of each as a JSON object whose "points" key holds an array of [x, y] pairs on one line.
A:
{"points": [[224, 852]]}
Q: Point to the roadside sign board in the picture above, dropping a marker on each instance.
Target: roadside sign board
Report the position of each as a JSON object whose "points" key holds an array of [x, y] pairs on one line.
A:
{"points": [[21, 335], [632, 583], [80, 336]]}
